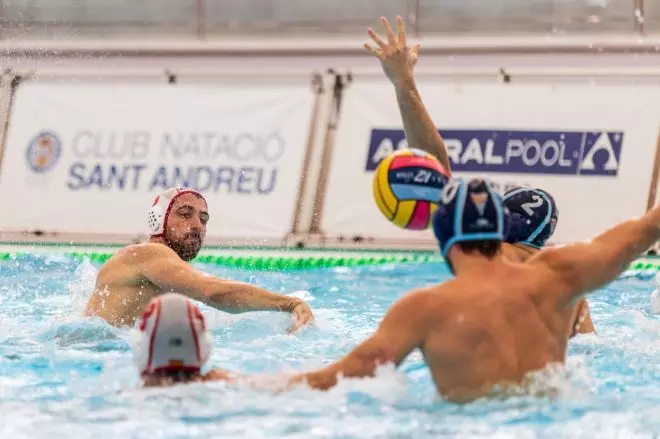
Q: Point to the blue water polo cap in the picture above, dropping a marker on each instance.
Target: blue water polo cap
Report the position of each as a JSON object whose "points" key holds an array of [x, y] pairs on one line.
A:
{"points": [[534, 216], [469, 211]]}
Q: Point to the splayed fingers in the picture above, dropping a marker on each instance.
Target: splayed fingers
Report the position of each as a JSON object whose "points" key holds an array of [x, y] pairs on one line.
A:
{"points": [[396, 43], [397, 59], [401, 29], [388, 30], [376, 38], [392, 41]]}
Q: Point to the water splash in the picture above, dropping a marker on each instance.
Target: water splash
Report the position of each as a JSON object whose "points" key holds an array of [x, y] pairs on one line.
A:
{"points": [[82, 285], [65, 376], [303, 295], [655, 296]]}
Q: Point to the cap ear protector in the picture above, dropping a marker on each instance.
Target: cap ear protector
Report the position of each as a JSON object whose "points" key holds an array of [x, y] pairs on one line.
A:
{"points": [[171, 334]]}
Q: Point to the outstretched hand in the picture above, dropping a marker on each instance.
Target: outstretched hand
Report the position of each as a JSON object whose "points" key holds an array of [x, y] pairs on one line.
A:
{"points": [[397, 59], [302, 316]]}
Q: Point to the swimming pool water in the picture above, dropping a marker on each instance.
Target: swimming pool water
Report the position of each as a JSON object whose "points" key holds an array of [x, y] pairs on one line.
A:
{"points": [[64, 376]]}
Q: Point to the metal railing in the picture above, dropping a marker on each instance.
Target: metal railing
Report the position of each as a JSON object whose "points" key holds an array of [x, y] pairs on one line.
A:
{"points": [[208, 19]]}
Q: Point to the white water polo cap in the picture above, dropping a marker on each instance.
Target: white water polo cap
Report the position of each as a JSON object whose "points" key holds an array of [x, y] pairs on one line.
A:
{"points": [[171, 335], [160, 210]]}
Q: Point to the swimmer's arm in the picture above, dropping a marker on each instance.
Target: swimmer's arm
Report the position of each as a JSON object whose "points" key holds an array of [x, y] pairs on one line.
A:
{"points": [[583, 323], [420, 130], [579, 269], [220, 375], [166, 270], [400, 332]]}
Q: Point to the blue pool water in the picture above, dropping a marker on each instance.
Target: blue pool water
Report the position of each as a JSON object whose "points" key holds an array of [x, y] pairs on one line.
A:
{"points": [[63, 376]]}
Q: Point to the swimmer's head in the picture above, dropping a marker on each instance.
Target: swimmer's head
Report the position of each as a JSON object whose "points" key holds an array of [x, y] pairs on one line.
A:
{"points": [[470, 218], [178, 217], [534, 216], [171, 339]]}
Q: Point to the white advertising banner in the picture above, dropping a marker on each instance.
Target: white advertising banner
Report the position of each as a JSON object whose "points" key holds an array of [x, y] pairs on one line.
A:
{"points": [[92, 158], [590, 146]]}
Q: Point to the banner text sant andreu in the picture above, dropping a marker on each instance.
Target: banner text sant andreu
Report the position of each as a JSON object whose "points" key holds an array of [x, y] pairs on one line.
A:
{"points": [[137, 176], [529, 152], [124, 161]]}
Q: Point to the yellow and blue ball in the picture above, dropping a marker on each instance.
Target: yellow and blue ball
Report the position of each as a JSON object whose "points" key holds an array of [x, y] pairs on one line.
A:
{"points": [[407, 186]]}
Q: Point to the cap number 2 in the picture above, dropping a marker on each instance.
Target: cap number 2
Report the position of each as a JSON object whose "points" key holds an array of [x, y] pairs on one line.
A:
{"points": [[529, 207]]}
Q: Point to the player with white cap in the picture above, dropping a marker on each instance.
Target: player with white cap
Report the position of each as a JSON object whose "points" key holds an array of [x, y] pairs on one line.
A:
{"points": [[172, 343], [139, 272]]}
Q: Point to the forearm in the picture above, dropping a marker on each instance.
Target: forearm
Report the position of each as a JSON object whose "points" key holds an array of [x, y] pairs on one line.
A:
{"points": [[420, 130], [220, 375], [362, 362], [612, 252], [239, 297], [328, 377], [319, 380], [631, 239]]}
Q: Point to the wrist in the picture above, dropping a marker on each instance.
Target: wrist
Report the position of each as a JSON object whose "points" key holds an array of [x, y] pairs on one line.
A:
{"points": [[404, 83], [293, 303]]}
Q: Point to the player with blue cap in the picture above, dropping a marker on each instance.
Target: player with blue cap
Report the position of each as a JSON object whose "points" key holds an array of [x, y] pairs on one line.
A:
{"points": [[497, 321], [534, 216], [533, 211], [471, 216]]}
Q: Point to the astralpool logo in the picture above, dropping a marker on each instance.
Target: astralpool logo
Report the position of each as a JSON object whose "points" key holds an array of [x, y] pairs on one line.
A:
{"points": [[43, 152], [528, 152]]}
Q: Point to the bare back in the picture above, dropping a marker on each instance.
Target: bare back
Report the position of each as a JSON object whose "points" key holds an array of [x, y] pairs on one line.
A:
{"points": [[479, 330], [121, 292], [485, 333], [577, 318]]}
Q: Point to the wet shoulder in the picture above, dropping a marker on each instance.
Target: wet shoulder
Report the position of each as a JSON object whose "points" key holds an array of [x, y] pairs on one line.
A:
{"points": [[123, 268], [433, 298], [479, 294], [138, 252], [125, 260]]}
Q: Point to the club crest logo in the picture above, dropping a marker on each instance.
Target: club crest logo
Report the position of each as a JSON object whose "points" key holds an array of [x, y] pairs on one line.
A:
{"points": [[43, 152]]}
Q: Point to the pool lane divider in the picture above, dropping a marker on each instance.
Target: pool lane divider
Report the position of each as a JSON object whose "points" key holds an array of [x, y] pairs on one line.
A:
{"points": [[301, 261], [273, 261]]}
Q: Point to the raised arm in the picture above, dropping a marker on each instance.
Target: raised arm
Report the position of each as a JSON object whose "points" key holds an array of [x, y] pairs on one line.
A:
{"points": [[400, 332], [398, 61], [162, 266], [579, 269]]}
